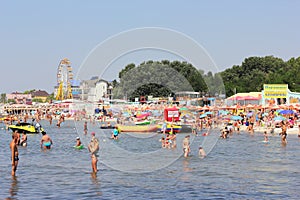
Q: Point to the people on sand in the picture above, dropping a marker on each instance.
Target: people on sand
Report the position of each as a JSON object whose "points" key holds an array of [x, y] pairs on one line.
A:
{"points": [[14, 153], [23, 141], [46, 141], [115, 133], [94, 149], [78, 142], [186, 146], [201, 152]]}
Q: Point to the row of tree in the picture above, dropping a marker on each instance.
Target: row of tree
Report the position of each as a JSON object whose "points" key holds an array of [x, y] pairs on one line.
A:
{"points": [[164, 78]]}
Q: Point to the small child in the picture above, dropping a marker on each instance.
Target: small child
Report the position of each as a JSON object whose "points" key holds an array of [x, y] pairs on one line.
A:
{"points": [[78, 142], [163, 144], [266, 136]]}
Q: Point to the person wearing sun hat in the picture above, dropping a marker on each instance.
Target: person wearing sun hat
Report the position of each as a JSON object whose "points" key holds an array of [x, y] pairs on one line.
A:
{"points": [[78, 142], [94, 149]]}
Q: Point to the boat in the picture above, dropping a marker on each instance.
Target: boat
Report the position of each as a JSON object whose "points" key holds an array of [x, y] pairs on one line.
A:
{"points": [[144, 122], [133, 128], [106, 127], [176, 128], [27, 127]]}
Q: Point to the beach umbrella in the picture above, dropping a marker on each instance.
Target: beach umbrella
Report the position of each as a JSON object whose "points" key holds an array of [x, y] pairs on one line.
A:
{"points": [[183, 109], [265, 114], [236, 117], [223, 112], [209, 113], [203, 115], [249, 114], [279, 118], [286, 112]]}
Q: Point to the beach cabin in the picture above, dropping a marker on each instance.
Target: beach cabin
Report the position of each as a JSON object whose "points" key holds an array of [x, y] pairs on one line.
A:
{"points": [[171, 114]]}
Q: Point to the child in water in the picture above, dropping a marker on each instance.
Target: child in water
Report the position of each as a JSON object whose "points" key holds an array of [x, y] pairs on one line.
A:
{"points": [[78, 142], [266, 139], [201, 152]]}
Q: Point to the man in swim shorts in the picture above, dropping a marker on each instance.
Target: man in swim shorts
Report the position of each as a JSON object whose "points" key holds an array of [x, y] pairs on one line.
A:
{"points": [[186, 145], [14, 153], [94, 149], [283, 133], [46, 141]]}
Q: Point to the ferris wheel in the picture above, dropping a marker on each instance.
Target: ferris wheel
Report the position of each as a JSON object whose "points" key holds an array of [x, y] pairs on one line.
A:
{"points": [[64, 79]]}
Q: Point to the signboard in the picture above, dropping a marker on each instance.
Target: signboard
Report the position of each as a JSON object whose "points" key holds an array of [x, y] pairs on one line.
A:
{"points": [[275, 91], [173, 113]]}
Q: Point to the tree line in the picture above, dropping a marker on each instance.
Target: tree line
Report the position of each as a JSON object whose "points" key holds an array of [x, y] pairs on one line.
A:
{"points": [[165, 78]]}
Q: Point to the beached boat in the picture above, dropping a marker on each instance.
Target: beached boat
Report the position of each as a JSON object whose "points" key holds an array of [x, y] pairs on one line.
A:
{"points": [[27, 127], [144, 122], [176, 128], [146, 128]]}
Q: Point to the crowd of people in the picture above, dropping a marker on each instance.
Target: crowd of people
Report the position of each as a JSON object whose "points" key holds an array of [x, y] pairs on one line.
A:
{"points": [[249, 122]]}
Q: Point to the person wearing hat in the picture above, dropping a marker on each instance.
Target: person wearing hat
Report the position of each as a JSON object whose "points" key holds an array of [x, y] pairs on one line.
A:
{"points": [[78, 142], [94, 149]]}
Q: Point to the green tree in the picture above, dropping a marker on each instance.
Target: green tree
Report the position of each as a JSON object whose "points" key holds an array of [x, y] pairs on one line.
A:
{"points": [[3, 98]]}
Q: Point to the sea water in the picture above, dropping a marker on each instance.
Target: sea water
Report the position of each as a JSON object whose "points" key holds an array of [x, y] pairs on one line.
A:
{"points": [[136, 167]]}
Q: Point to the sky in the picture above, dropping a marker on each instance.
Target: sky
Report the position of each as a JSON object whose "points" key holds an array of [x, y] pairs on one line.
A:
{"points": [[36, 35]]}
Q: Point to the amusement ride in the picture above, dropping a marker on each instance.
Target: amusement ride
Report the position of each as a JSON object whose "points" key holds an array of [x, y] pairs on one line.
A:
{"points": [[64, 78]]}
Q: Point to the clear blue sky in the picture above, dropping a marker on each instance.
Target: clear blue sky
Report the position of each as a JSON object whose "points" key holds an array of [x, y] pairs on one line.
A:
{"points": [[36, 35]]}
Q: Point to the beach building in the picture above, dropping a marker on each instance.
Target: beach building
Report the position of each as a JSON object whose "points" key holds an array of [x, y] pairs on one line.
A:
{"points": [[19, 98], [272, 94], [194, 98], [254, 98], [95, 90], [40, 94]]}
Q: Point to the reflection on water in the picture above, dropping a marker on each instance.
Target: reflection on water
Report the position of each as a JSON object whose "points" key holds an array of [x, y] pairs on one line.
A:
{"points": [[13, 190], [241, 167]]}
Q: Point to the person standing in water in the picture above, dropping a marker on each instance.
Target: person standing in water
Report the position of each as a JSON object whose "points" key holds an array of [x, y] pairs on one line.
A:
{"points": [[46, 141], [186, 145], [266, 139], [14, 153], [201, 152], [283, 133], [94, 149], [85, 129], [23, 141]]}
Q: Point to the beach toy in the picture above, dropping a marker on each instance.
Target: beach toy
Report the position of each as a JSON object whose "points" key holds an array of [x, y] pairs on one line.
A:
{"points": [[79, 147]]}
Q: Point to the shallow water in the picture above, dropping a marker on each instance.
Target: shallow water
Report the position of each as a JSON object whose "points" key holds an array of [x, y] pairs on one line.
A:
{"points": [[135, 167]]}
